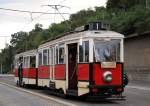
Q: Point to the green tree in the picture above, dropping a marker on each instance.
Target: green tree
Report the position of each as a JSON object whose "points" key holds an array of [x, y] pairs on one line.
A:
{"points": [[19, 41], [124, 4]]}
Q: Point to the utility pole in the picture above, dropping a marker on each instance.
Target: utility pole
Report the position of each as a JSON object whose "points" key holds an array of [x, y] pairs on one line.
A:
{"points": [[1, 68]]}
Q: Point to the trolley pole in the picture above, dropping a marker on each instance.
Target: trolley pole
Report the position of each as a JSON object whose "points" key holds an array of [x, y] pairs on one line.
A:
{"points": [[147, 3], [56, 8]]}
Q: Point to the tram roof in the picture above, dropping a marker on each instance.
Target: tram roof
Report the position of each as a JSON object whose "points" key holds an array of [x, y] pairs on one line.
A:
{"points": [[81, 34], [27, 53]]}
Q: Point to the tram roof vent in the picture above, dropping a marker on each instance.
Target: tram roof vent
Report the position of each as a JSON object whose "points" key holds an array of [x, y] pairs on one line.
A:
{"points": [[98, 26], [82, 28], [93, 26]]}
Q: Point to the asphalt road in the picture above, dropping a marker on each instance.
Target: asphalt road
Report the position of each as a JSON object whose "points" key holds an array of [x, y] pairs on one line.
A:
{"points": [[12, 97], [135, 96]]}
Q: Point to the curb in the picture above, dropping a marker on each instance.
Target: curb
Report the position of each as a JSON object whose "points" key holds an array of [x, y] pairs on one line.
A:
{"points": [[138, 87]]}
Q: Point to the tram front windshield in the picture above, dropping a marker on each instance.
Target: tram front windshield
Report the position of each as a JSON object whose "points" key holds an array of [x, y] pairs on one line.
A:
{"points": [[107, 51]]}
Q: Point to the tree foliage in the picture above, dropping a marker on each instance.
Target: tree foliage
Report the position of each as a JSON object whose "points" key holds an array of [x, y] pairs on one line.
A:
{"points": [[124, 4]]}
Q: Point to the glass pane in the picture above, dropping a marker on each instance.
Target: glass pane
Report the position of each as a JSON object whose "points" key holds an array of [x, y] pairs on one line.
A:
{"points": [[45, 57], [61, 54], [56, 61], [32, 61], [84, 52], [86, 57], [40, 59], [107, 51], [28, 62], [51, 56], [81, 53], [23, 62]]}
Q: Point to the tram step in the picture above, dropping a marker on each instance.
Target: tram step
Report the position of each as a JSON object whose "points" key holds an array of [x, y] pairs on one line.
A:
{"points": [[72, 92]]}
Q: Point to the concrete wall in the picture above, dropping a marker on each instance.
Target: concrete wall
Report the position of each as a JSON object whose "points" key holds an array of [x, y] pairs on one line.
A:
{"points": [[137, 57]]}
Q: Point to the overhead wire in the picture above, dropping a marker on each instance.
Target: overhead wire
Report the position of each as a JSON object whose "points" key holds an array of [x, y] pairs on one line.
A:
{"points": [[24, 11], [33, 19], [36, 12]]}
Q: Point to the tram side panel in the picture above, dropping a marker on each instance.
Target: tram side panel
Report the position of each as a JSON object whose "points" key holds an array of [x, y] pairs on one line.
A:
{"points": [[25, 79], [60, 76], [43, 75], [32, 76], [29, 76], [83, 78]]}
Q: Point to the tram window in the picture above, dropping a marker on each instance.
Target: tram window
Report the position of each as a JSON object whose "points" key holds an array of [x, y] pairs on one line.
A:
{"points": [[40, 59], [32, 61], [26, 62], [56, 49], [81, 54], [84, 52], [24, 58], [51, 56], [118, 52], [16, 63], [45, 57], [107, 51], [61, 54]]}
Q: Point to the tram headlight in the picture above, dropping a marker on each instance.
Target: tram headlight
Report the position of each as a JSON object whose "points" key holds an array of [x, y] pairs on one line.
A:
{"points": [[107, 76]]}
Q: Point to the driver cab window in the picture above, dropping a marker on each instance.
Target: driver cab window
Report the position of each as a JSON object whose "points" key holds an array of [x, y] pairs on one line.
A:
{"points": [[107, 51]]}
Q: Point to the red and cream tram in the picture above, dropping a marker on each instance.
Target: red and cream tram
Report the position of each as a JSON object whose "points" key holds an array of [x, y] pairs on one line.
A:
{"points": [[27, 60], [88, 61]]}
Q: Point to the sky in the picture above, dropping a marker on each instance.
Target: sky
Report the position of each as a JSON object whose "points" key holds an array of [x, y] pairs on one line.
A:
{"points": [[12, 22]]}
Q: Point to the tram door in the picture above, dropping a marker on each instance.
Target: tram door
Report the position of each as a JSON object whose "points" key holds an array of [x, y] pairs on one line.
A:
{"points": [[72, 66]]}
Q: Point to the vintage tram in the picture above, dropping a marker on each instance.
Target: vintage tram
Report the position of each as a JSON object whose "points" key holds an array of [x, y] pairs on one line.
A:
{"points": [[26, 61], [85, 62]]}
